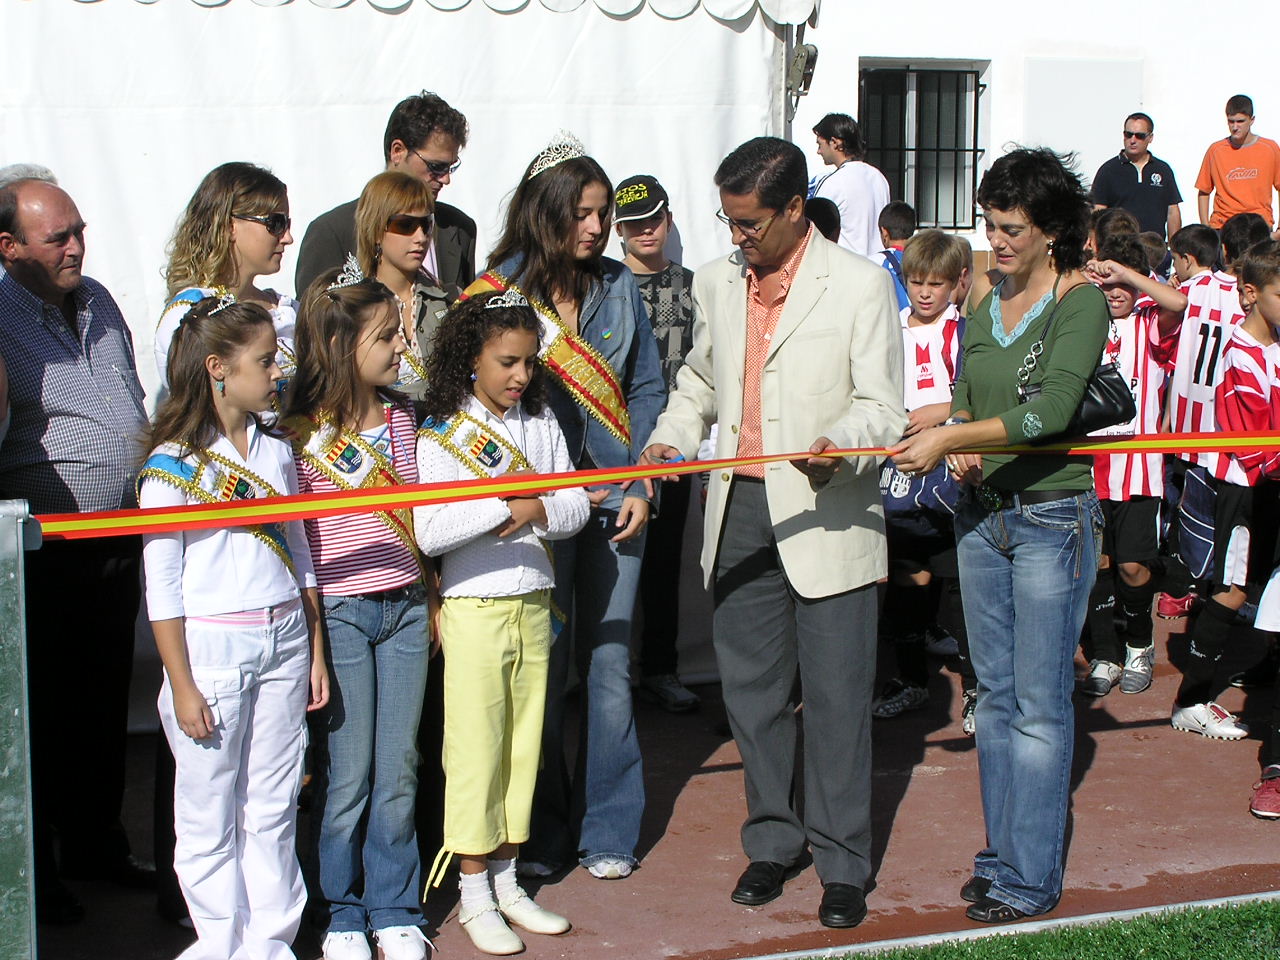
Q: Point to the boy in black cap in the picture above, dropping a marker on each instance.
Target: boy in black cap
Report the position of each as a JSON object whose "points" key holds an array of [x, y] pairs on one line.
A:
{"points": [[642, 216]]}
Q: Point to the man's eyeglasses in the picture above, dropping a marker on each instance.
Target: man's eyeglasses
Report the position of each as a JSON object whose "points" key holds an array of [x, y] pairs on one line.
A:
{"points": [[277, 224], [1135, 135], [747, 229], [438, 168], [406, 225]]}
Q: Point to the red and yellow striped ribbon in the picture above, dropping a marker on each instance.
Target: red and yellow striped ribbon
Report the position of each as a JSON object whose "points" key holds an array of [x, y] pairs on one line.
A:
{"points": [[119, 523]]}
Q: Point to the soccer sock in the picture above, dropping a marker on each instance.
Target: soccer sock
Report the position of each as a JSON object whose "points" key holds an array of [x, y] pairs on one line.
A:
{"points": [[476, 892], [1208, 636], [951, 616], [908, 612], [505, 885], [1101, 642], [1135, 607]]}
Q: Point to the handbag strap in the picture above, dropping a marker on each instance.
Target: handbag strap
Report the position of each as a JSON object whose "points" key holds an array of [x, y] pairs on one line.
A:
{"points": [[1032, 359]]}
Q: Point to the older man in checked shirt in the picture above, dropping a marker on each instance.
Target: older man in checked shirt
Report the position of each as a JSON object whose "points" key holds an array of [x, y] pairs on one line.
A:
{"points": [[72, 445]]}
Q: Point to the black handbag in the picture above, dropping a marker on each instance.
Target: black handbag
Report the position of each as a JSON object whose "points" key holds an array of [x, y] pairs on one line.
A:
{"points": [[1107, 398]]}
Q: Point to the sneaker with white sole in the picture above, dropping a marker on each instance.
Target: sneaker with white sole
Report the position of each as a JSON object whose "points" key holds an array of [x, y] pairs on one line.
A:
{"points": [[898, 697], [666, 690], [523, 912], [489, 932], [1103, 675], [346, 945], [610, 868], [1209, 720], [401, 943], [1266, 795], [969, 712], [1138, 663]]}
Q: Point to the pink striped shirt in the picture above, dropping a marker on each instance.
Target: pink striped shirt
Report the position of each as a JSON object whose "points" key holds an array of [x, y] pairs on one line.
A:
{"points": [[359, 553]]}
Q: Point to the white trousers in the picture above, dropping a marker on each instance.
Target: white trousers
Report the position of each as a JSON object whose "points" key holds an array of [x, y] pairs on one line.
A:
{"points": [[236, 792]]}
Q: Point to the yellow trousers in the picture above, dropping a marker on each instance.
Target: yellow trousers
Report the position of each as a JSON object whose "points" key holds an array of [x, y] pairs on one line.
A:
{"points": [[495, 686]]}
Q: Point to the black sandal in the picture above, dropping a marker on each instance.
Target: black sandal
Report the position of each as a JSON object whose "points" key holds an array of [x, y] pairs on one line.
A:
{"points": [[991, 910]]}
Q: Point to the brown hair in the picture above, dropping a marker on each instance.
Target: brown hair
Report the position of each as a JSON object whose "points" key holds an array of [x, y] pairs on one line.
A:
{"points": [[933, 253], [383, 197]]}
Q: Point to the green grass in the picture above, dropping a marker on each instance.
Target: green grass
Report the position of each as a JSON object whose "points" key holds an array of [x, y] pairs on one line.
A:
{"points": [[1245, 932]]}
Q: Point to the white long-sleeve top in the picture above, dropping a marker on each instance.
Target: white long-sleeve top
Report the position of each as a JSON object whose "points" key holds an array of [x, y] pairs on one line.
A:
{"points": [[200, 573], [284, 316], [477, 563]]}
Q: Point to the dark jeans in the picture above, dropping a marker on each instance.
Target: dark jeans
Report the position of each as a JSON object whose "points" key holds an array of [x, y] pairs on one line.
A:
{"points": [[82, 602], [660, 580]]}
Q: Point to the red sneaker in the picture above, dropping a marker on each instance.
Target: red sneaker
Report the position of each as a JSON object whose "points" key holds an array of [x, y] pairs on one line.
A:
{"points": [[1266, 797], [1174, 608]]}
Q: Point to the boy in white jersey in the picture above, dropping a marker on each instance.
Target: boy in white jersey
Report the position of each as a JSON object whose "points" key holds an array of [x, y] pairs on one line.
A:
{"points": [[923, 584], [1145, 317]]}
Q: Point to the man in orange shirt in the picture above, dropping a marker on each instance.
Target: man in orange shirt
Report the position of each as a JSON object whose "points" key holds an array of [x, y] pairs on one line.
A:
{"points": [[1241, 170]]}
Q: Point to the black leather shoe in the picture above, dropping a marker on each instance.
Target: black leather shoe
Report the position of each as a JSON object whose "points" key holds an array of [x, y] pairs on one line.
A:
{"points": [[843, 905], [975, 889], [127, 871], [761, 882], [991, 910]]}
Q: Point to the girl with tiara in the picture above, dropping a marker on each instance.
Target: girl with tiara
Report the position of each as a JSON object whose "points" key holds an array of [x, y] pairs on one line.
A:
{"points": [[487, 416], [234, 614], [352, 431], [394, 224], [234, 230], [605, 388]]}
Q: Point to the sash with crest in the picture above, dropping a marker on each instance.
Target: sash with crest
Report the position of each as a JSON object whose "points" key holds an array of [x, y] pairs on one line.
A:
{"points": [[587, 375], [486, 453], [350, 462], [209, 477]]}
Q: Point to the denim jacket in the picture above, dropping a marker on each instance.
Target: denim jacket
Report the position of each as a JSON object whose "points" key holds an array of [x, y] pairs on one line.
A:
{"points": [[614, 321]]}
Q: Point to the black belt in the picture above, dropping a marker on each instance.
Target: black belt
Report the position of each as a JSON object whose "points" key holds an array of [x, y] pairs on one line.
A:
{"points": [[992, 498], [406, 592]]}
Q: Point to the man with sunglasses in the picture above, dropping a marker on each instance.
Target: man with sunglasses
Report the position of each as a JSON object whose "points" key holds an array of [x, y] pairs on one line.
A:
{"points": [[796, 350], [423, 138], [1140, 182]]}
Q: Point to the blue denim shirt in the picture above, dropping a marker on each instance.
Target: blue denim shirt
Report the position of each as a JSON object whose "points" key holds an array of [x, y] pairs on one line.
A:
{"points": [[614, 321]]}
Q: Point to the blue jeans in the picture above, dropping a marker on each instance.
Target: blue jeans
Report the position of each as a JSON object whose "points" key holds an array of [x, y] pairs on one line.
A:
{"points": [[1025, 574], [596, 584], [367, 759]]}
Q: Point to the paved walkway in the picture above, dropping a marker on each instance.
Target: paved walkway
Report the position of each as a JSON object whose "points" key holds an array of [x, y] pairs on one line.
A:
{"points": [[1157, 817]]}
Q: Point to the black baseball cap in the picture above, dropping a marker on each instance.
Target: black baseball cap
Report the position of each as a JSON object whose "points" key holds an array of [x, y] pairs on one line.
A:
{"points": [[637, 198]]}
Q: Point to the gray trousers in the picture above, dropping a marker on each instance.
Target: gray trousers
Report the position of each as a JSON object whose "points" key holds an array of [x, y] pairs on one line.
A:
{"points": [[763, 632]]}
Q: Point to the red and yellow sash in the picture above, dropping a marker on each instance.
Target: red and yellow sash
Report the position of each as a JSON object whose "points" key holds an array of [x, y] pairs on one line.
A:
{"points": [[576, 364]]}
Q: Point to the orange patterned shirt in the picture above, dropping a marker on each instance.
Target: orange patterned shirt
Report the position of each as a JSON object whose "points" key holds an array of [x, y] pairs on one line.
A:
{"points": [[762, 320]]}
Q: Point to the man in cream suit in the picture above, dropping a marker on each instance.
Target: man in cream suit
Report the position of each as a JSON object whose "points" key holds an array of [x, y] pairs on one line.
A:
{"points": [[796, 347]]}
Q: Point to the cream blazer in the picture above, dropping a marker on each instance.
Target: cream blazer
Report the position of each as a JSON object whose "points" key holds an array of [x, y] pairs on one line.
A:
{"points": [[835, 370]]}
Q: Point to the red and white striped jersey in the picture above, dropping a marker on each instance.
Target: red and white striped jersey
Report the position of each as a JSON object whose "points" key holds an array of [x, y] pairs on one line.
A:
{"points": [[1135, 346], [1213, 310], [930, 353], [1249, 400]]}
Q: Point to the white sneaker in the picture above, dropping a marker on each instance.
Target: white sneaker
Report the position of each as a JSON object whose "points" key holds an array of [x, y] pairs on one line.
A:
{"points": [[347, 945], [610, 868], [401, 943], [1209, 720], [489, 932], [1103, 675], [523, 912]]}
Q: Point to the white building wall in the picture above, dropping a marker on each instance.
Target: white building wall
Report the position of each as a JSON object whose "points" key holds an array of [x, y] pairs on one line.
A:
{"points": [[1065, 76]]}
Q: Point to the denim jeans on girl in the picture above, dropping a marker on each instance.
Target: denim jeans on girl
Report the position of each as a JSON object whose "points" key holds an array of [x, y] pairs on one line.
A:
{"points": [[1026, 573], [596, 584], [367, 758]]}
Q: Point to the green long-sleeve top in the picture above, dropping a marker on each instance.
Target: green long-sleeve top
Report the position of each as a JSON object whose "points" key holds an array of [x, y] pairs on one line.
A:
{"points": [[988, 386]]}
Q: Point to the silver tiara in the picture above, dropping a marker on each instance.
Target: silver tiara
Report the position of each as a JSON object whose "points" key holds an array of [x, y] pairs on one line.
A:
{"points": [[511, 298], [564, 146], [351, 274], [225, 300]]}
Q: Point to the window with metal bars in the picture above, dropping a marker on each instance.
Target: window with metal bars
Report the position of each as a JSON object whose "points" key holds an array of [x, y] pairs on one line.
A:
{"points": [[921, 128]]}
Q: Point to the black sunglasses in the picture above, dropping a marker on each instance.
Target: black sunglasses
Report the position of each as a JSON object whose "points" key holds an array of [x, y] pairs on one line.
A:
{"points": [[277, 224], [437, 168], [1135, 135], [406, 225]]}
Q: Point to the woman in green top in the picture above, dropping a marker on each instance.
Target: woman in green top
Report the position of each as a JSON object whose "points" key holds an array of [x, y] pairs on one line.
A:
{"points": [[1028, 533]]}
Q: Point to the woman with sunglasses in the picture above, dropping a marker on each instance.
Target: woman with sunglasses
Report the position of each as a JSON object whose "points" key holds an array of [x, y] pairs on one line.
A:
{"points": [[393, 234], [234, 230], [606, 392]]}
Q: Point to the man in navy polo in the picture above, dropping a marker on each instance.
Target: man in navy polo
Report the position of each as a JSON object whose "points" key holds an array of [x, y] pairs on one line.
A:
{"points": [[1139, 182]]}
